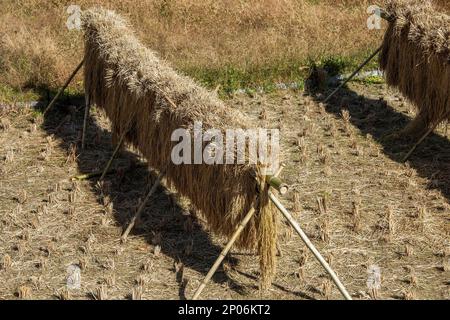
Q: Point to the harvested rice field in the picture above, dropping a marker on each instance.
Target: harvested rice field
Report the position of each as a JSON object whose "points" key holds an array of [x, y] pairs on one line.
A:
{"points": [[152, 170], [361, 206]]}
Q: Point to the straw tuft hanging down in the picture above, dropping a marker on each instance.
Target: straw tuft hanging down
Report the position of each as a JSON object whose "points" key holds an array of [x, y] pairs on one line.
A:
{"points": [[137, 90], [416, 59]]}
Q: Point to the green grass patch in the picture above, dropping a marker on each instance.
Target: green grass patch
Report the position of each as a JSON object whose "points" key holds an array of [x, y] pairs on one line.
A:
{"points": [[336, 65], [371, 80], [266, 77], [10, 95], [229, 78]]}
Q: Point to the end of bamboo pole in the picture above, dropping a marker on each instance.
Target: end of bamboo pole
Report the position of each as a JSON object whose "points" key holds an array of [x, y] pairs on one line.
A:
{"points": [[277, 184]]}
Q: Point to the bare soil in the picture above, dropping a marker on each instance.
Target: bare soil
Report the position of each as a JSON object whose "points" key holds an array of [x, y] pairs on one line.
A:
{"points": [[375, 209]]}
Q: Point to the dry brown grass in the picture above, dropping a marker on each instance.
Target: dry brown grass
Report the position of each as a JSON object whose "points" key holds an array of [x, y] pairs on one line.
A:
{"points": [[45, 233], [206, 39], [191, 34]]}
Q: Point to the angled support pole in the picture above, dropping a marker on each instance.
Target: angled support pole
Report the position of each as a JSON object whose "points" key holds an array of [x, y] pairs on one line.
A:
{"points": [[353, 74], [430, 130], [141, 208], [85, 121], [386, 16], [60, 92], [87, 176], [230, 244], [224, 253], [113, 156], [116, 150], [310, 245]]}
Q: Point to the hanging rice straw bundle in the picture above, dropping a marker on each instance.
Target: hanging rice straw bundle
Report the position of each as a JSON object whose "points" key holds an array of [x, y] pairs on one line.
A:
{"points": [[146, 99], [416, 60]]}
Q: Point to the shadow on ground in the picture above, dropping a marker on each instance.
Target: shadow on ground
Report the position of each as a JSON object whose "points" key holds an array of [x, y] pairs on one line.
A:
{"points": [[184, 240], [431, 159]]}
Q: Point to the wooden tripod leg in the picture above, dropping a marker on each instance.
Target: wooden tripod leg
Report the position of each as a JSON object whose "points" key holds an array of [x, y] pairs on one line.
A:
{"points": [[224, 252], [353, 74], [138, 213], [63, 88], [88, 176], [230, 243], [310, 246], [110, 161], [95, 174], [430, 130], [85, 122]]}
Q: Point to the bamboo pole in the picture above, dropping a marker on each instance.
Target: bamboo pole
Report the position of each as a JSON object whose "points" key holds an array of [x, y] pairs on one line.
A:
{"points": [[277, 184], [113, 156], [168, 99], [87, 176], [310, 245], [66, 118], [430, 130], [85, 121], [116, 150], [230, 243], [64, 87], [353, 74], [224, 253], [386, 16], [91, 175], [153, 188], [141, 208]]}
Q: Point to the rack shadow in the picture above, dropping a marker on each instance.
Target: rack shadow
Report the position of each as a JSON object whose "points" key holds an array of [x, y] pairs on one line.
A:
{"points": [[431, 159], [162, 218]]}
